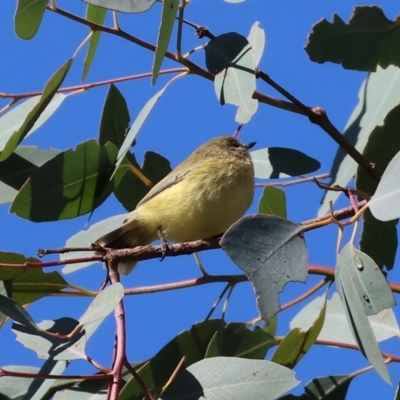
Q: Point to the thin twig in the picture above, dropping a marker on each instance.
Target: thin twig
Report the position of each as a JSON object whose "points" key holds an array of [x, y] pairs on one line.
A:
{"points": [[309, 292], [319, 117], [295, 181], [120, 351], [87, 86]]}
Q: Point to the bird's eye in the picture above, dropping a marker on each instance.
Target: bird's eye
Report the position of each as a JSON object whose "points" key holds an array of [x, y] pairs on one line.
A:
{"points": [[235, 144]]}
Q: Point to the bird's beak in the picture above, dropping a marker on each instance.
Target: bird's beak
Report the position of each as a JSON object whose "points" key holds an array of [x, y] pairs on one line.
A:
{"points": [[250, 145]]}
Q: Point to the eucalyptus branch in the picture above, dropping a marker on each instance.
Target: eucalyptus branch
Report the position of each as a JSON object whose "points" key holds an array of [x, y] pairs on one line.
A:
{"points": [[193, 68], [307, 294], [5, 372], [120, 349], [316, 115], [295, 181], [86, 86]]}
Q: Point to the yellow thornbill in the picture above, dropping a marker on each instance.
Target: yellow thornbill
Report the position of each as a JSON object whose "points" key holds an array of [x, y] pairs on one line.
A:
{"points": [[201, 198]]}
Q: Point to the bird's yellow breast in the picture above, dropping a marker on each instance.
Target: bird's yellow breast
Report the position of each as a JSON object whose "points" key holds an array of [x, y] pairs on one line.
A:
{"points": [[203, 204]]}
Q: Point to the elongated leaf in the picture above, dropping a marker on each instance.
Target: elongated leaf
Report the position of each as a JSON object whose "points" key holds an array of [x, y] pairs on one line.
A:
{"points": [[379, 240], [51, 347], [357, 316], [332, 387], [139, 121], [297, 342], [16, 312], [273, 202], [126, 6], [14, 119], [35, 284], [336, 328], [236, 85], [28, 17], [385, 203], [7, 257], [103, 304], [40, 387], [222, 50], [97, 15], [129, 189], [256, 40], [277, 162], [13, 387], [70, 184], [164, 34], [377, 96], [48, 93], [271, 251], [237, 340], [86, 238], [369, 39], [232, 378], [114, 119], [19, 167], [372, 287]]}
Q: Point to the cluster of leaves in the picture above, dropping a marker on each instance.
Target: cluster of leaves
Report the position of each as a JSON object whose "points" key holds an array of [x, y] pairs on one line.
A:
{"points": [[50, 185]]}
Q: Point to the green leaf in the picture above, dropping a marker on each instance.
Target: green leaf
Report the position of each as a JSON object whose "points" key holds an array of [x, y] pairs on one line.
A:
{"points": [[52, 347], [231, 58], [273, 202], [97, 15], [222, 50], [48, 93], [191, 344], [298, 341], [70, 184], [16, 312], [129, 189], [237, 340], [139, 121], [336, 328], [256, 40], [356, 315], [3, 292], [103, 304], [271, 326], [378, 238], [397, 395], [275, 162], [28, 17], [35, 284], [271, 251], [385, 202], [7, 257], [164, 35], [13, 387], [328, 388], [377, 96], [236, 85], [231, 378], [86, 238], [19, 167], [367, 280], [130, 6], [370, 39], [14, 119], [114, 119]]}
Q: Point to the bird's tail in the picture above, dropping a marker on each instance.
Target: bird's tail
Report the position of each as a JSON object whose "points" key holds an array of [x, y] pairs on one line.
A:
{"points": [[127, 236]]}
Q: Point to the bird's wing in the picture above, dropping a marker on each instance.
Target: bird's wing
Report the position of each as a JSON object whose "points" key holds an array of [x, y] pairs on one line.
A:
{"points": [[171, 179]]}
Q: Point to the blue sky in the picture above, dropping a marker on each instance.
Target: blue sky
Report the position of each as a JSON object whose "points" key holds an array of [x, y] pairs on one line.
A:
{"points": [[187, 115]]}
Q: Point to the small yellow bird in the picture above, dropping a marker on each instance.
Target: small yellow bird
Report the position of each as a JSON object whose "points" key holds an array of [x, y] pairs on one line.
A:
{"points": [[201, 198]]}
